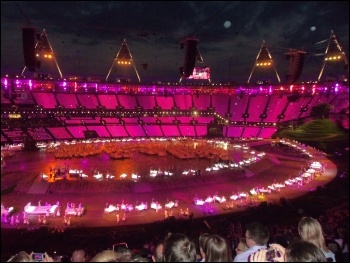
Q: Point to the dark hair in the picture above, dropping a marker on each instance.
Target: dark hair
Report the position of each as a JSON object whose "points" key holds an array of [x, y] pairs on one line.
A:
{"points": [[217, 249], [258, 233], [201, 242], [304, 251], [343, 233], [179, 248]]}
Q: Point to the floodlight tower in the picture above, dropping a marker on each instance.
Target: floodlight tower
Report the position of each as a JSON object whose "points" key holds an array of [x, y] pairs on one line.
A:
{"points": [[333, 53], [123, 58], [43, 51], [264, 59]]}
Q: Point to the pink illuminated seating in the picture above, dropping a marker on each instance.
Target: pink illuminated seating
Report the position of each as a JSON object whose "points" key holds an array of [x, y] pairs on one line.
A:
{"points": [[153, 131], [39, 134], [92, 121], [293, 108], [69, 101], [220, 103], [184, 120], [3, 99], [79, 120], [130, 120], [147, 102], [73, 121], [184, 102], [203, 120], [267, 132], [127, 101], [306, 107], [234, 131], [108, 100], [201, 130], [166, 103], [275, 107], [89, 101], [148, 120], [77, 131], [251, 132], [135, 130], [101, 131], [111, 120], [16, 135], [46, 100], [3, 138], [257, 106], [201, 102], [24, 98], [238, 107], [117, 130], [340, 103], [167, 119], [170, 131], [320, 98], [60, 133], [187, 130]]}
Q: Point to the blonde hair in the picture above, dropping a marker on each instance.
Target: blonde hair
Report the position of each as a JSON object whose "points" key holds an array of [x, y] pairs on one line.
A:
{"points": [[21, 257], [311, 230], [105, 256]]}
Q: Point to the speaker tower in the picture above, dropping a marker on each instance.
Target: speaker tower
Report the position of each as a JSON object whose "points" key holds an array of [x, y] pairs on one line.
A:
{"points": [[29, 42], [190, 56]]}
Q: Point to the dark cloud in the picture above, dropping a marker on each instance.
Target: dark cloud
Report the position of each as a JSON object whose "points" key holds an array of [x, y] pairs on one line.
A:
{"points": [[155, 29]]}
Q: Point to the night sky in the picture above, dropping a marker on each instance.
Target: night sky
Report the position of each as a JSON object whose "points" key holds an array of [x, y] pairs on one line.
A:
{"points": [[87, 35]]}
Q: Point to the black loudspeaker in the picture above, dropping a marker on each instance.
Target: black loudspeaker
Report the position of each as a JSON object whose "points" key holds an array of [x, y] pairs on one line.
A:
{"points": [[90, 134], [29, 41], [190, 56]]}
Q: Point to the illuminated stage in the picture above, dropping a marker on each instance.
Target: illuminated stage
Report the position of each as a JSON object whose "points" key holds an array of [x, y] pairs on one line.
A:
{"points": [[107, 202]]}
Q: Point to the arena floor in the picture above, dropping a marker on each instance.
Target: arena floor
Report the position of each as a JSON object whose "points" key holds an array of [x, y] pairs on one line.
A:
{"points": [[278, 169]]}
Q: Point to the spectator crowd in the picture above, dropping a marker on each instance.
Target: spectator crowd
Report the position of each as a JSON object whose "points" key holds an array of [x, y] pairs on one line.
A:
{"points": [[325, 239]]}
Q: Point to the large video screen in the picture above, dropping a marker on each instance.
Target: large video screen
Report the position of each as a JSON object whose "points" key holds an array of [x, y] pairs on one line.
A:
{"points": [[200, 73]]}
